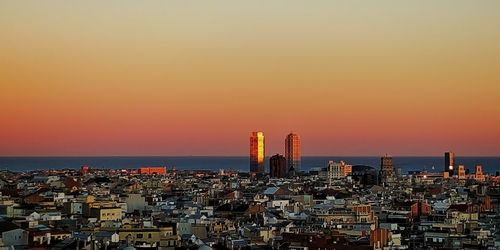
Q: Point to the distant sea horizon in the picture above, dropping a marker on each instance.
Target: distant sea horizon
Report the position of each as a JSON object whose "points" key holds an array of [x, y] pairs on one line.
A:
{"points": [[490, 164]]}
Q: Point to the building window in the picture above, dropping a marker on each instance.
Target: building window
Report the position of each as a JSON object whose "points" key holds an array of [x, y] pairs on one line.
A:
{"points": [[149, 236], [139, 236]]}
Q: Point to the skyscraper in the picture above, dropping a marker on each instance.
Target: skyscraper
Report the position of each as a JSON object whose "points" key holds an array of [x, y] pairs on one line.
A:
{"points": [[449, 162], [292, 152], [277, 166], [257, 152]]}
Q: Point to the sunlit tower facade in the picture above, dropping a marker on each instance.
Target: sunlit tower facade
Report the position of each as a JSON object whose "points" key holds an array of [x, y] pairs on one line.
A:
{"points": [[257, 152], [292, 152]]}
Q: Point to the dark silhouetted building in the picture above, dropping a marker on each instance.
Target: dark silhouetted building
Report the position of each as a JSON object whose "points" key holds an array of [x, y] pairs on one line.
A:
{"points": [[277, 166], [364, 175], [387, 165], [387, 171], [449, 163], [257, 152]]}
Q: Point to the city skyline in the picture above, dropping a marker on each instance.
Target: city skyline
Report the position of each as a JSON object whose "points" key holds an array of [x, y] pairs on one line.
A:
{"points": [[218, 125], [171, 78]]}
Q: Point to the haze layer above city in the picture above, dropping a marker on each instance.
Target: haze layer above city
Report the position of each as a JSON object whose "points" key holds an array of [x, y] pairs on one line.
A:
{"points": [[94, 78]]}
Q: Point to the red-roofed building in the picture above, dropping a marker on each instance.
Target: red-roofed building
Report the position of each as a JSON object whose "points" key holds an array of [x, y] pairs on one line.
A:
{"points": [[153, 170]]}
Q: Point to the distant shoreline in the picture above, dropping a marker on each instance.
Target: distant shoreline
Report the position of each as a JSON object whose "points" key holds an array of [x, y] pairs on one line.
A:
{"points": [[237, 163]]}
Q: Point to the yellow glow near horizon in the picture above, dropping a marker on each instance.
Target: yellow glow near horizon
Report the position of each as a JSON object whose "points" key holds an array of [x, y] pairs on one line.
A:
{"points": [[260, 148]]}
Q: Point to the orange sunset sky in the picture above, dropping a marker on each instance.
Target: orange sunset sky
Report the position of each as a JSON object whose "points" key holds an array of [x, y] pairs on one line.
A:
{"points": [[196, 77]]}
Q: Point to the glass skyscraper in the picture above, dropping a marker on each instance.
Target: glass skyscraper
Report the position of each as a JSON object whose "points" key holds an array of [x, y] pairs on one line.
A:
{"points": [[257, 152], [292, 152]]}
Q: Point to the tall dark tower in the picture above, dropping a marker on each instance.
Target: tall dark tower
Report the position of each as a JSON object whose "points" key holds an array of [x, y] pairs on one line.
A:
{"points": [[387, 171], [277, 166], [449, 162], [386, 165]]}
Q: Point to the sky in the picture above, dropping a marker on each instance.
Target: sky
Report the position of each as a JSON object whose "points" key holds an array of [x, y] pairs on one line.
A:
{"points": [[196, 77]]}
